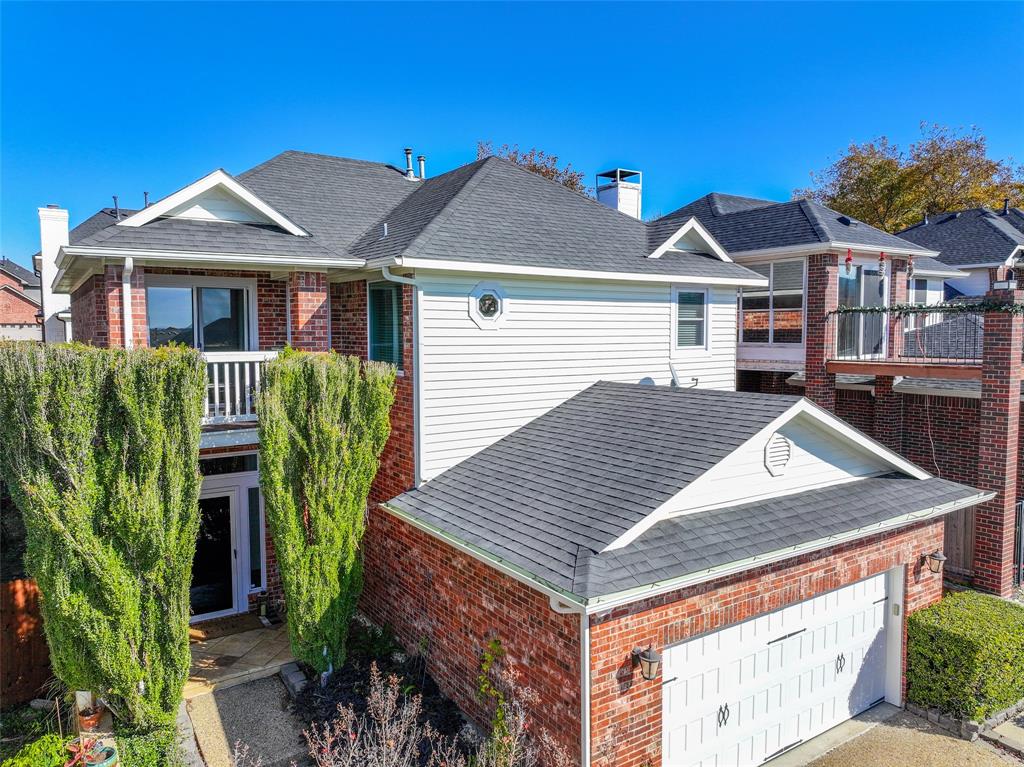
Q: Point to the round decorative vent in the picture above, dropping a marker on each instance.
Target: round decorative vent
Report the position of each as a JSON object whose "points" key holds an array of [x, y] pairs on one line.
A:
{"points": [[777, 454]]}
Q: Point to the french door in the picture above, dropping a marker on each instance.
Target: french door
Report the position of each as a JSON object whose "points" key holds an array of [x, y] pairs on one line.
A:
{"points": [[861, 336]]}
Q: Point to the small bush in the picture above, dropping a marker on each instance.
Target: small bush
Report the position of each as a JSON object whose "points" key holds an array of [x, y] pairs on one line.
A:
{"points": [[965, 655], [47, 751], [157, 748]]}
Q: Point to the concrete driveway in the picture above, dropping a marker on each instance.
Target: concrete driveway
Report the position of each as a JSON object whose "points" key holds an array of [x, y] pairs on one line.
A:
{"points": [[885, 736]]}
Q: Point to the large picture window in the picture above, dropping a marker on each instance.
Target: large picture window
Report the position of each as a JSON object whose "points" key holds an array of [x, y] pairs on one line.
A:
{"points": [[774, 315], [385, 308], [209, 317]]}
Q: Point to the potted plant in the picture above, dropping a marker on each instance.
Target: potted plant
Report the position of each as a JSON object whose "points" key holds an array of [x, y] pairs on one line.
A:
{"points": [[87, 752], [89, 718]]}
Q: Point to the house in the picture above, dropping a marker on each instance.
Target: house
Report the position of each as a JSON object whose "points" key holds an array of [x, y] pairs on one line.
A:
{"points": [[938, 387], [19, 302], [977, 241], [566, 434]]}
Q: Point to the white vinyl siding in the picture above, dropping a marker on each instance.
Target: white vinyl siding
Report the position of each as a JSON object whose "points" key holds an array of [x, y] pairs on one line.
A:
{"points": [[558, 338], [817, 459]]}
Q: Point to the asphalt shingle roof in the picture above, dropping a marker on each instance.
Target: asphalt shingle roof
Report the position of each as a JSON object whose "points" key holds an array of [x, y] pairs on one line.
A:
{"points": [[552, 495], [743, 223], [969, 237], [27, 277]]}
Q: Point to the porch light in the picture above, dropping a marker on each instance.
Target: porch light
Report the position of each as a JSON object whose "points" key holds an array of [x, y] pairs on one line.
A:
{"points": [[649, 661], [935, 560]]}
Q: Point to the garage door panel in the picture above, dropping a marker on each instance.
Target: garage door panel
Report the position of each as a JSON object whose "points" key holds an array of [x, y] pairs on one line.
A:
{"points": [[786, 676]]}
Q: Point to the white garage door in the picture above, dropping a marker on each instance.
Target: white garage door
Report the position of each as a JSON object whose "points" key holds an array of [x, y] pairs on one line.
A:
{"points": [[752, 691]]}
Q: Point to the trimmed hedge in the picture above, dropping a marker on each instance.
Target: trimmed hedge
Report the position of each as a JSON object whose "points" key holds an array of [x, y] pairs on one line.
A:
{"points": [[965, 655]]}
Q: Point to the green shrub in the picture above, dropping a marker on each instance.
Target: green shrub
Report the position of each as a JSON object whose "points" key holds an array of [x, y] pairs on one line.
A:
{"points": [[324, 421], [101, 454], [965, 655], [47, 751], [157, 748]]}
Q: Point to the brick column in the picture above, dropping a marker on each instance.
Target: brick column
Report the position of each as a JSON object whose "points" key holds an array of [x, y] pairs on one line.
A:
{"points": [[822, 298], [888, 414], [110, 314], [998, 445], [897, 295], [308, 311]]}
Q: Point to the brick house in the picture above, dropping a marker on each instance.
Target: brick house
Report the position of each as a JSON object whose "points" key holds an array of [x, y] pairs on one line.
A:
{"points": [[19, 302], [504, 299], [929, 386]]}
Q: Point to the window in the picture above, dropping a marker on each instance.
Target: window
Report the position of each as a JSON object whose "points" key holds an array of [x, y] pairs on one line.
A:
{"points": [[203, 317], [861, 335], [385, 308], [691, 319], [228, 464], [774, 315], [917, 289], [255, 540]]}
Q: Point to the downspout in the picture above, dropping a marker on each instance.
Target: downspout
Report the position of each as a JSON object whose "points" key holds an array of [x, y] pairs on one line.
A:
{"points": [[126, 300], [563, 609], [417, 389]]}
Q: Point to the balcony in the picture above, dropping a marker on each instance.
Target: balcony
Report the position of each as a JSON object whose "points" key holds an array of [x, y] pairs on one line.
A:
{"points": [[941, 341], [232, 380]]}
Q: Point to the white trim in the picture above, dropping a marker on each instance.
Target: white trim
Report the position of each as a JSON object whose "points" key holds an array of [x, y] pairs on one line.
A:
{"points": [[507, 568], [231, 492], [951, 274], [608, 601], [680, 352], [828, 247], [126, 302], [475, 267], [255, 260], [228, 438], [676, 505], [473, 305], [584, 688], [217, 178], [691, 224]]}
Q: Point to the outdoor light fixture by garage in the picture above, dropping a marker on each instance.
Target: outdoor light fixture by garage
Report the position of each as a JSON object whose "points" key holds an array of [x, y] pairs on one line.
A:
{"points": [[649, 662], [935, 560]]}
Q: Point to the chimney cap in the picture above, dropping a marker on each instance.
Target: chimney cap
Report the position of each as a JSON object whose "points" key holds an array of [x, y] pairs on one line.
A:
{"points": [[52, 205], [620, 174]]}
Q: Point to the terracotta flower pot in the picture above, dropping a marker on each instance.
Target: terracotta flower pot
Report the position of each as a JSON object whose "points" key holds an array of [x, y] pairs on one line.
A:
{"points": [[89, 718]]}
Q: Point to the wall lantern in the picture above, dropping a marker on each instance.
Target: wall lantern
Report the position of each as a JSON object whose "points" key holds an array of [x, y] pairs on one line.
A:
{"points": [[935, 560], [649, 662]]}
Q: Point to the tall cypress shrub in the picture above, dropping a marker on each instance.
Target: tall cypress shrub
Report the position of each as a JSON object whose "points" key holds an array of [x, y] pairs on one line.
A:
{"points": [[323, 423], [100, 452]]}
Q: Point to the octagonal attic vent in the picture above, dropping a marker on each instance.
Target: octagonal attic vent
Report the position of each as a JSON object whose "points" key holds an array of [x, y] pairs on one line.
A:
{"points": [[777, 454]]}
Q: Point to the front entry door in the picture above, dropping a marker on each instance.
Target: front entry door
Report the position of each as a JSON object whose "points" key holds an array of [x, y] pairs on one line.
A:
{"points": [[213, 569]]}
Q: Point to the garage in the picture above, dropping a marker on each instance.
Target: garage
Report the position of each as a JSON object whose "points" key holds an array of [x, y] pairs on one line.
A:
{"points": [[756, 689]]}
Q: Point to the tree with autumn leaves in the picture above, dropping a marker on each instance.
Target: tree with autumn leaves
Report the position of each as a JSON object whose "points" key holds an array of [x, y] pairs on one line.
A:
{"points": [[945, 170]]}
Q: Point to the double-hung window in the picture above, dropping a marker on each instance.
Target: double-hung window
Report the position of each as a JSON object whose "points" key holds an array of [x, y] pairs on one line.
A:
{"points": [[385, 322], [691, 309]]}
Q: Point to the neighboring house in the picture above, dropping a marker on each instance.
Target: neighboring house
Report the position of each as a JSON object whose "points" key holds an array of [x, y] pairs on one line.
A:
{"points": [[19, 303], [534, 472], [978, 241]]}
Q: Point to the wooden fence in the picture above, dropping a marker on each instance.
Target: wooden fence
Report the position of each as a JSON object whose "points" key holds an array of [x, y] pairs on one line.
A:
{"points": [[24, 656]]}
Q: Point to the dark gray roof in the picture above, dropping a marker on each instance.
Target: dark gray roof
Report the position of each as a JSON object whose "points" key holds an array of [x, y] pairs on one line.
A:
{"points": [[843, 380], [493, 211], [929, 264], [953, 337], [692, 543], [551, 496], [25, 276], [968, 237], [943, 387], [180, 234], [581, 475], [742, 224]]}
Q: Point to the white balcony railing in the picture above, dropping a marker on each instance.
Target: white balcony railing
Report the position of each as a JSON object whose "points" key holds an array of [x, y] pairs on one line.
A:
{"points": [[232, 380]]}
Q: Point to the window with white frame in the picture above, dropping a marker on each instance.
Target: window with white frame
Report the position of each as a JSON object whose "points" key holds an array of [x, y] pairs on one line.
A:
{"points": [[774, 314], [385, 322], [691, 308], [211, 314]]}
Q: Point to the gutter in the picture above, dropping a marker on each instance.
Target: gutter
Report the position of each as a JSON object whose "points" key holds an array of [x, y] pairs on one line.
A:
{"points": [[126, 300], [417, 376], [825, 247]]}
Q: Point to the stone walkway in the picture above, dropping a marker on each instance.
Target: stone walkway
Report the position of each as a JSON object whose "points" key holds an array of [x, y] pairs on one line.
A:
{"points": [[235, 659]]}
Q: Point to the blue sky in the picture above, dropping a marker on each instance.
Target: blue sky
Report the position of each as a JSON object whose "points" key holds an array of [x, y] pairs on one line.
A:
{"points": [[745, 98]]}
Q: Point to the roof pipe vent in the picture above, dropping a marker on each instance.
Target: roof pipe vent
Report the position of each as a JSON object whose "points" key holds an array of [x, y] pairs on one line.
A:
{"points": [[1006, 205], [117, 209], [145, 199], [422, 161], [409, 172], [925, 220]]}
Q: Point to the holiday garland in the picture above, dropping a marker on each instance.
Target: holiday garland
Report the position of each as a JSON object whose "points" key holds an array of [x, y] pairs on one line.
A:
{"points": [[902, 310]]}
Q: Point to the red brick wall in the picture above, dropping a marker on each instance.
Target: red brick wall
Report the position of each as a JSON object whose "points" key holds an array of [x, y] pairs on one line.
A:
{"points": [[96, 316], [15, 308], [310, 316], [622, 702], [822, 298], [429, 592], [349, 318]]}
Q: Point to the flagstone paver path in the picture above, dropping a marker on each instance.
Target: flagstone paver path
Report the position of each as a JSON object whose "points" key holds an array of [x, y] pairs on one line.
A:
{"points": [[237, 658]]}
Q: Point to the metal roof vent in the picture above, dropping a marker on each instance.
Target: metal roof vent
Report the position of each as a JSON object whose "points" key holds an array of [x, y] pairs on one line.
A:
{"points": [[777, 453]]}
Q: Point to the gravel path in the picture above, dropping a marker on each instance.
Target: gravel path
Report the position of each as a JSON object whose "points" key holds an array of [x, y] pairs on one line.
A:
{"points": [[906, 740]]}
